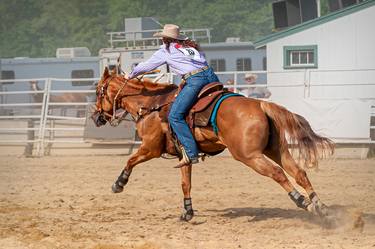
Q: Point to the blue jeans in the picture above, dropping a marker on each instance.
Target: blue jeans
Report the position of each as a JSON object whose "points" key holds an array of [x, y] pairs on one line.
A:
{"points": [[181, 106]]}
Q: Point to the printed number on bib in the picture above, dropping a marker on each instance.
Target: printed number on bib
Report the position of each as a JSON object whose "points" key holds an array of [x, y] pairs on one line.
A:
{"points": [[190, 52]]}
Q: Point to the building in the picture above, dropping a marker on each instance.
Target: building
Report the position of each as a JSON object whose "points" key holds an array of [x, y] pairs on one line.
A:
{"points": [[324, 69], [136, 44], [325, 52], [23, 69]]}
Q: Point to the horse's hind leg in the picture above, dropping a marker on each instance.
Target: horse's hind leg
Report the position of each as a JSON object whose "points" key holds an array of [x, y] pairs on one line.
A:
{"points": [[285, 159], [299, 174], [264, 167]]}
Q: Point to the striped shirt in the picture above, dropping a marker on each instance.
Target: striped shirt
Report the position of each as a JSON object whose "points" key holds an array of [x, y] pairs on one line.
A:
{"points": [[181, 60]]}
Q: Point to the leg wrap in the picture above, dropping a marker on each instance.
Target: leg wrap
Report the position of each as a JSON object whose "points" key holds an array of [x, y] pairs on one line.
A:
{"points": [[189, 212], [188, 204], [299, 199], [122, 180]]}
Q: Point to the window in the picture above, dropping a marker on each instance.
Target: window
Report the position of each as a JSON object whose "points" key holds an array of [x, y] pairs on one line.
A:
{"points": [[301, 56], [265, 63], [218, 65], [244, 64], [7, 75], [79, 74], [137, 55]]}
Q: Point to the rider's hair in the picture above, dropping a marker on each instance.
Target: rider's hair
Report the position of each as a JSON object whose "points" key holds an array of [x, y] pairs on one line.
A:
{"points": [[184, 43]]}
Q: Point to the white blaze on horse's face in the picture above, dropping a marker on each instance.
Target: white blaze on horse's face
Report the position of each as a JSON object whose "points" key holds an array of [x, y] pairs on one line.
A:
{"points": [[103, 103]]}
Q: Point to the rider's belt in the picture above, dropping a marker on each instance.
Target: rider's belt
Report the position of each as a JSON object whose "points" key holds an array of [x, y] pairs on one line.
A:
{"points": [[185, 76]]}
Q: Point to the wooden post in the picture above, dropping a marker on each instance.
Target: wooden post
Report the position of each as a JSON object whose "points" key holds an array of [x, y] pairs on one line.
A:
{"points": [[30, 136]]}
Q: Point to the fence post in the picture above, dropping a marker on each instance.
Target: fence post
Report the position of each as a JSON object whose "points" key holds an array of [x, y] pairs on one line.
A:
{"points": [[42, 127], [39, 144], [28, 152], [235, 82]]}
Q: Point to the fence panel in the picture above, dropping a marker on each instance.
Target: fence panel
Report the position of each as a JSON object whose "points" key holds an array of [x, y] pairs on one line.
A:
{"points": [[41, 112], [21, 112]]}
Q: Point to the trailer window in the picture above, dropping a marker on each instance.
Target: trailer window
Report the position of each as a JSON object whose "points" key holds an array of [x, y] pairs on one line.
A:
{"points": [[243, 64], [7, 75], [218, 65], [81, 74]]}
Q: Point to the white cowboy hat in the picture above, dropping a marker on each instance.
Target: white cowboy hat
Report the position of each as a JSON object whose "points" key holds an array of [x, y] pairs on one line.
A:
{"points": [[251, 77], [171, 31]]}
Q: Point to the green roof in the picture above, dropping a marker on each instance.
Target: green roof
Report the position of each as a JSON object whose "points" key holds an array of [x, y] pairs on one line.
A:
{"points": [[314, 22]]}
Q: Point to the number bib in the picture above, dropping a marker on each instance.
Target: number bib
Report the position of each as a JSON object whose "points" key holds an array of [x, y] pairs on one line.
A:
{"points": [[189, 52]]}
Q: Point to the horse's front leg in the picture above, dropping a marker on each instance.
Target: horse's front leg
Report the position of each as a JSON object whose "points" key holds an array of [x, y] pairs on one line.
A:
{"points": [[143, 154], [188, 212]]}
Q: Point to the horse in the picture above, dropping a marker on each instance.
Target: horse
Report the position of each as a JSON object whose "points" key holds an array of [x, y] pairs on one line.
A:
{"points": [[62, 98], [254, 132]]}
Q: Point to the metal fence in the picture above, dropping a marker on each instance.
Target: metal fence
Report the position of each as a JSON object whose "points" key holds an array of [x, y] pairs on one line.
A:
{"points": [[25, 121]]}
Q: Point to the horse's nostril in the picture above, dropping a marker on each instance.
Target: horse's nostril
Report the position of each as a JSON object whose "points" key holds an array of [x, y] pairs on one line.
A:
{"points": [[101, 120], [98, 119]]}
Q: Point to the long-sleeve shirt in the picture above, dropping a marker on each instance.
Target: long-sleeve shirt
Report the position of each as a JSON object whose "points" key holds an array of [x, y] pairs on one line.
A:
{"points": [[181, 60]]}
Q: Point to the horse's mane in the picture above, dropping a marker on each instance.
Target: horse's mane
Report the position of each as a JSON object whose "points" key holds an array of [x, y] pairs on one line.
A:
{"points": [[149, 86]]}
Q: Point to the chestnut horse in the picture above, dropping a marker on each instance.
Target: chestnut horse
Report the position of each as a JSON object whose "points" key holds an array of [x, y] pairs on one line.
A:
{"points": [[254, 131], [63, 98]]}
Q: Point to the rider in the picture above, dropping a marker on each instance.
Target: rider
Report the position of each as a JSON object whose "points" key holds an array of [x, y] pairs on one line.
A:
{"points": [[184, 58]]}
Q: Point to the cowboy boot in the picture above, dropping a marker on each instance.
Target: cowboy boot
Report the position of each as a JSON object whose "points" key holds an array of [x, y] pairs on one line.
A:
{"points": [[185, 161]]}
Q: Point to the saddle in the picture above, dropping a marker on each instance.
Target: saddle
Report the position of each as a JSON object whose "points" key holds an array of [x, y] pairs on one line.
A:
{"points": [[200, 113]]}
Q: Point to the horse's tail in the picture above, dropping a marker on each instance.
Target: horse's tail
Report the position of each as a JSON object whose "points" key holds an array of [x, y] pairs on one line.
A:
{"points": [[299, 132]]}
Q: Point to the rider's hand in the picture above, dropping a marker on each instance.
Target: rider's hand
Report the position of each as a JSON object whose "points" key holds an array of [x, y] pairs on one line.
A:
{"points": [[126, 76]]}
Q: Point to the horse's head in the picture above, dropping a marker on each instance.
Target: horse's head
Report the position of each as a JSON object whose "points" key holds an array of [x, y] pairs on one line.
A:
{"points": [[111, 90], [106, 102], [34, 86]]}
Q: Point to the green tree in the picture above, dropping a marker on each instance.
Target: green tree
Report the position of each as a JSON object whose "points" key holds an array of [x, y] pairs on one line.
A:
{"points": [[36, 28]]}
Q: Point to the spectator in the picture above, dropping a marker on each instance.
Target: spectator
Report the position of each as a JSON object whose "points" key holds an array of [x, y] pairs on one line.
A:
{"points": [[254, 92]]}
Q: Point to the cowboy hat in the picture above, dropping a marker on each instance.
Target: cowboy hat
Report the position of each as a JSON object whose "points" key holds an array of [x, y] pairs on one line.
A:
{"points": [[171, 31], [251, 77]]}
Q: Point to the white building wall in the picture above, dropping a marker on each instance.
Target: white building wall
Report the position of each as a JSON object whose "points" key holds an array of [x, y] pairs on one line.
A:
{"points": [[346, 50]]}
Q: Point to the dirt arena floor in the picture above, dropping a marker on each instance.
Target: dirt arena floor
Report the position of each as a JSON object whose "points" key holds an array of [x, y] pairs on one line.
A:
{"points": [[66, 202]]}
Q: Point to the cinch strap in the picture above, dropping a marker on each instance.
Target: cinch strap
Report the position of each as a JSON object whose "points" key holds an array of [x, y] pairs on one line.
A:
{"points": [[216, 108]]}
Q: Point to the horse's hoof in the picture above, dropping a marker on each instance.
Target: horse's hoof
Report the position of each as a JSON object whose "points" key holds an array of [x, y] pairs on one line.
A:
{"points": [[319, 209], [116, 188], [187, 215]]}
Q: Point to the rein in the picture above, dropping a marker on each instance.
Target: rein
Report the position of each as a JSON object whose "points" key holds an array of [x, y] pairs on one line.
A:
{"points": [[115, 119]]}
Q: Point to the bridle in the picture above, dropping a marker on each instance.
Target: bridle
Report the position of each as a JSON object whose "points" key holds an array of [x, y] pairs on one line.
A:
{"points": [[115, 118]]}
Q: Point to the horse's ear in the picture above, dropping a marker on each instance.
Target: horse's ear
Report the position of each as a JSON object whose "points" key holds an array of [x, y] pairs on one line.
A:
{"points": [[105, 73]]}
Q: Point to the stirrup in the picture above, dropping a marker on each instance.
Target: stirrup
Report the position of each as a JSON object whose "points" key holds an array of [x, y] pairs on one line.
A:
{"points": [[182, 163], [185, 161]]}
